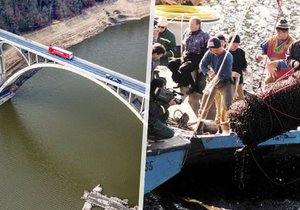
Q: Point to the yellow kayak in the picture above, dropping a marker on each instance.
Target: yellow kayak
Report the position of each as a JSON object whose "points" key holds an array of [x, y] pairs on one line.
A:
{"points": [[186, 12]]}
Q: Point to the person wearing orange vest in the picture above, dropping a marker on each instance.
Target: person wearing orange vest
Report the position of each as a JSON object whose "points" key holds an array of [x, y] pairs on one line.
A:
{"points": [[275, 49]]}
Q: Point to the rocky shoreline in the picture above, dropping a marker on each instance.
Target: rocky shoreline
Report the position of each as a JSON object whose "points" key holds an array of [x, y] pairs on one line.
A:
{"points": [[92, 21]]}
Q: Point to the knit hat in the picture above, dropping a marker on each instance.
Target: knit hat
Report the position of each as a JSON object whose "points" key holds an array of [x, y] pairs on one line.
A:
{"points": [[214, 42], [282, 24], [221, 37], [237, 39], [162, 21]]}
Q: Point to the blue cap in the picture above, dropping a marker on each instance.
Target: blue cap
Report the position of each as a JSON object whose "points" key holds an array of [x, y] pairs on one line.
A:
{"points": [[214, 42]]}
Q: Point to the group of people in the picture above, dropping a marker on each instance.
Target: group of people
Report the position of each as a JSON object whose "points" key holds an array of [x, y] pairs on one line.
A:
{"points": [[209, 58]]}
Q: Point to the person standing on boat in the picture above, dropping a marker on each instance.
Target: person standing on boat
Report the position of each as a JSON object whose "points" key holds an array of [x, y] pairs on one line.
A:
{"points": [[194, 46], [158, 113], [239, 67], [220, 112], [293, 55], [215, 62], [275, 49], [165, 37]]}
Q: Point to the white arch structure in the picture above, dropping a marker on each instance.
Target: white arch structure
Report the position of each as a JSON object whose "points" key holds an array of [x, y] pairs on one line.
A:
{"points": [[129, 91]]}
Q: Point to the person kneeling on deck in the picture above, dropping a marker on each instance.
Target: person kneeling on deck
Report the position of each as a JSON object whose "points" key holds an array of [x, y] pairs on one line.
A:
{"points": [[217, 64], [158, 113]]}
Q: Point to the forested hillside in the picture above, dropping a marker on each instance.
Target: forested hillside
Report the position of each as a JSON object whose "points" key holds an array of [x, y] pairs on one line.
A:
{"points": [[26, 15]]}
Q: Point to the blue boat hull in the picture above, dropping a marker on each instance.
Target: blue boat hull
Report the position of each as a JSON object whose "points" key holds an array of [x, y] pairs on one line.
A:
{"points": [[206, 148], [162, 167], [164, 160]]}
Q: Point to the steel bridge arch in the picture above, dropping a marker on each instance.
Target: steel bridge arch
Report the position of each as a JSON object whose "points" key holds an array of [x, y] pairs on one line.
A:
{"points": [[18, 49], [88, 76]]}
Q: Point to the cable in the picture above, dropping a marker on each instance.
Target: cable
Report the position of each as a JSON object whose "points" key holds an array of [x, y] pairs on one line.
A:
{"points": [[268, 177]]}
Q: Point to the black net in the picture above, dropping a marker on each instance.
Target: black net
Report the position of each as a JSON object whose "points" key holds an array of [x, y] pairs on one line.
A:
{"points": [[268, 114]]}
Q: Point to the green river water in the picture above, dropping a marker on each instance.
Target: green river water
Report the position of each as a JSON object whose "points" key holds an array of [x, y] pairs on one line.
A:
{"points": [[62, 134]]}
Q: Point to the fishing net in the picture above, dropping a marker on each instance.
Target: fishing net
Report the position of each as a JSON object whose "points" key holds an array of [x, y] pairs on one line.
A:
{"points": [[270, 113]]}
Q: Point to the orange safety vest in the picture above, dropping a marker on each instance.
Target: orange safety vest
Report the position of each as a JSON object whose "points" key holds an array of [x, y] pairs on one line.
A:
{"points": [[277, 52]]}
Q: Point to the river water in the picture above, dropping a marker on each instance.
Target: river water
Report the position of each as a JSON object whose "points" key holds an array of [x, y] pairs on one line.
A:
{"points": [[213, 185], [62, 134]]}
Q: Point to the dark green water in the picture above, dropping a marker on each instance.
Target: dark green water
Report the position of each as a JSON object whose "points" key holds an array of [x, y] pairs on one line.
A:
{"points": [[62, 134]]}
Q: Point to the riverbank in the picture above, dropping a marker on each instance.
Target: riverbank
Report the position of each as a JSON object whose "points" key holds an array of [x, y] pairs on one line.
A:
{"points": [[71, 31]]}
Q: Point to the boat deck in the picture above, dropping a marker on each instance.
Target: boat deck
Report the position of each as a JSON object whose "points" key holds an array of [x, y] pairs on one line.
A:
{"points": [[167, 145], [221, 147]]}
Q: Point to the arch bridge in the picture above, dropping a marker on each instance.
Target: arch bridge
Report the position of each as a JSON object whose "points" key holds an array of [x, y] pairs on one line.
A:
{"points": [[129, 91]]}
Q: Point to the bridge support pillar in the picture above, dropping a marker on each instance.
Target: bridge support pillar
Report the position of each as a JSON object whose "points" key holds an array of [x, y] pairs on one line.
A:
{"points": [[2, 65], [29, 58]]}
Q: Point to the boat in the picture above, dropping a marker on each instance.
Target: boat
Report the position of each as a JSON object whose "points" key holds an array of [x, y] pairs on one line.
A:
{"points": [[164, 160], [223, 147], [178, 17], [167, 158], [214, 147]]}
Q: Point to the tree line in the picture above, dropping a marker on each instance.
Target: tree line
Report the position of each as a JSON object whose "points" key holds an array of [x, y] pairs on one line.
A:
{"points": [[20, 16]]}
